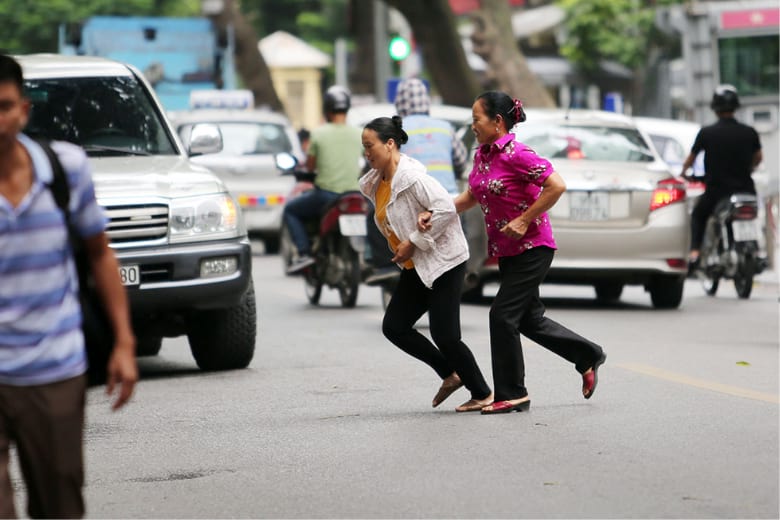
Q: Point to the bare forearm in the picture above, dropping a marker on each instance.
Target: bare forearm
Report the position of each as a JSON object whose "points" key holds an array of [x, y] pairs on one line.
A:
{"points": [[464, 201]]}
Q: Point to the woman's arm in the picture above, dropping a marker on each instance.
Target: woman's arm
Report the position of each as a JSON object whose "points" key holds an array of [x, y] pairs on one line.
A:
{"points": [[552, 189]]}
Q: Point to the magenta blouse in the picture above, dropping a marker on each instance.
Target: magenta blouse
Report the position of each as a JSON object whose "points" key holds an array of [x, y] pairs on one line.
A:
{"points": [[507, 178]]}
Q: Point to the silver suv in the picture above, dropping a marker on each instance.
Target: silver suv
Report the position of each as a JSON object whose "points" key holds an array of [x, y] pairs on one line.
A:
{"points": [[177, 232]]}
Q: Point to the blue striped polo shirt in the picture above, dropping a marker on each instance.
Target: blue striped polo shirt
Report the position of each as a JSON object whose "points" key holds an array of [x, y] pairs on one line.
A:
{"points": [[40, 317]]}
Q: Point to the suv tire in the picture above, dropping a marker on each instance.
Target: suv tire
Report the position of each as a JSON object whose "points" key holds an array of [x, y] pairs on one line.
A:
{"points": [[224, 339]]}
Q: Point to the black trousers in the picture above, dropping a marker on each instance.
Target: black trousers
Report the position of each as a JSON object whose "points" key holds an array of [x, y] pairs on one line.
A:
{"points": [[410, 301], [517, 309], [381, 256]]}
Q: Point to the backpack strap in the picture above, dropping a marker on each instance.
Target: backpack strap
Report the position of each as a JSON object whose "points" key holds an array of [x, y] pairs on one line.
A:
{"points": [[59, 185]]}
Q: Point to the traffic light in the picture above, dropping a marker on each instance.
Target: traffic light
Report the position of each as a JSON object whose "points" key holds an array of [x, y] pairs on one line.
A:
{"points": [[399, 48]]}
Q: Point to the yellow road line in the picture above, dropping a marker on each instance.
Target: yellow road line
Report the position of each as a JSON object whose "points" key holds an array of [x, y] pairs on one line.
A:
{"points": [[699, 383]]}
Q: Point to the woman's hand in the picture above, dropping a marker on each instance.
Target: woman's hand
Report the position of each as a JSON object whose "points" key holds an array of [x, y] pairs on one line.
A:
{"points": [[424, 221], [516, 228], [403, 252]]}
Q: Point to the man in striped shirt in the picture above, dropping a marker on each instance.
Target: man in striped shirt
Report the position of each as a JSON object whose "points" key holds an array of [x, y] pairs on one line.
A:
{"points": [[42, 355]]}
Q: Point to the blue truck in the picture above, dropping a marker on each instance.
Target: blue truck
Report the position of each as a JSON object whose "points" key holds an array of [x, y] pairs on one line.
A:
{"points": [[176, 55]]}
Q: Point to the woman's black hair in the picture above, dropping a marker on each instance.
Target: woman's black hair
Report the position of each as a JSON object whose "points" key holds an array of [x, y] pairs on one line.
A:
{"points": [[389, 128], [496, 103]]}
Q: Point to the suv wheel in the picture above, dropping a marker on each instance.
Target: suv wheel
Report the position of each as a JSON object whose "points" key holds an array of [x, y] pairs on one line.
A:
{"points": [[224, 339], [148, 345]]}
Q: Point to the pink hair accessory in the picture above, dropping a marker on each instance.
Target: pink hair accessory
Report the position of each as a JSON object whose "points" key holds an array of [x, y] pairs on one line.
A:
{"points": [[517, 110]]}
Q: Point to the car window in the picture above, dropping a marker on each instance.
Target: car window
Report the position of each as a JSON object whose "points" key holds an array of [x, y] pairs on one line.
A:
{"points": [[670, 149], [249, 138], [595, 143], [105, 115]]}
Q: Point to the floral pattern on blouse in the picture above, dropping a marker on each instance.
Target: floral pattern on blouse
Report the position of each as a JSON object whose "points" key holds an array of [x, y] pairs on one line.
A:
{"points": [[506, 180]]}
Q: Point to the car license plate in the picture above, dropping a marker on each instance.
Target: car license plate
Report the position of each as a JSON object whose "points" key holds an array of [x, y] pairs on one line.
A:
{"points": [[744, 230], [130, 275], [352, 225], [589, 205]]}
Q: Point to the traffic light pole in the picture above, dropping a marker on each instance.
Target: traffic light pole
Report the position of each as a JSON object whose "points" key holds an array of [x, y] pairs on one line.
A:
{"points": [[381, 59]]}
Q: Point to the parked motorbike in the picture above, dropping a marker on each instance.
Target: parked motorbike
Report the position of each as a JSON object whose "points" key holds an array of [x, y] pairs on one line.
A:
{"points": [[338, 240], [730, 248]]}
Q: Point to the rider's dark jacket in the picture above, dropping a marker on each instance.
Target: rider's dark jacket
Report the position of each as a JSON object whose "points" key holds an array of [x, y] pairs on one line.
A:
{"points": [[729, 147]]}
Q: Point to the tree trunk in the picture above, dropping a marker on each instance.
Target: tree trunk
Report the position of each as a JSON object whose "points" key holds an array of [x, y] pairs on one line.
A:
{"points": [[495, 43], [250, 64], [361, 74], [436, 34]]}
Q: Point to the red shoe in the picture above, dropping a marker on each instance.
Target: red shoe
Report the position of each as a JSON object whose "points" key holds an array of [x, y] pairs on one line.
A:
{"points": [[506, 407], [591, 379]]}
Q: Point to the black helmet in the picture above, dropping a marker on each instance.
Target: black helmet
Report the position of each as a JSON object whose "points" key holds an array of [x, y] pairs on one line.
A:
{"points": [[725, 99], [337, 99]]}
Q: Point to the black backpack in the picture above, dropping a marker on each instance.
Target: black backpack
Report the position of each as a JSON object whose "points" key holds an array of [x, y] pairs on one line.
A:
{"points": [[98, 332]]}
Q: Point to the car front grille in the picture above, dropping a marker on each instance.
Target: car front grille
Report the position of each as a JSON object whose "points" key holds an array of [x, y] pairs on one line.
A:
{"points": [[137, 223]]}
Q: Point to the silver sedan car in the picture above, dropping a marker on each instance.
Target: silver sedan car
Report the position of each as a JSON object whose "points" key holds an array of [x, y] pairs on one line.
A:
{"points": [[247, 163], [623, 218]]}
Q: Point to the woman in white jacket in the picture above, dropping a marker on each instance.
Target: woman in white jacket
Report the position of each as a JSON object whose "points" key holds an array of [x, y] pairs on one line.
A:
{"points": [[432, 264]]}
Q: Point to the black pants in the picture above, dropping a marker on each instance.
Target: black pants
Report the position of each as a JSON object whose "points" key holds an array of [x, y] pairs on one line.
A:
{"points": [[705, 205], [410, 301], [381, 256], [517, 309]]}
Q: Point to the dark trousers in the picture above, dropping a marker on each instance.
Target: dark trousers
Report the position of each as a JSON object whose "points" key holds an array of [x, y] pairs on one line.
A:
{"points": [[380, 254], [705, 205], [309, 205], [410, 301], [517, 309], [46, 423]]}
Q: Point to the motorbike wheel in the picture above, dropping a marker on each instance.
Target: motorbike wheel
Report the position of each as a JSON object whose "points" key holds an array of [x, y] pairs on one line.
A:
{"points": [[348, 287], [312, 284], [709, 282], [743, 278], [286, 248]]}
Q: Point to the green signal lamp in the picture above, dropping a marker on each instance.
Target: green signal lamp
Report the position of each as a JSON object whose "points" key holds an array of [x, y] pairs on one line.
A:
{"points": [[399, 48]]}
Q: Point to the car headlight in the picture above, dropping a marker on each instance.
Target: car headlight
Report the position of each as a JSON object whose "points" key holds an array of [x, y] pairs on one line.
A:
{"points": [[204, 218]]}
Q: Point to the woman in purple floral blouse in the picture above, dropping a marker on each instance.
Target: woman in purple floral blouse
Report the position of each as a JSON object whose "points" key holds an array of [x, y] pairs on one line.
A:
{"points": [[515, 188]]}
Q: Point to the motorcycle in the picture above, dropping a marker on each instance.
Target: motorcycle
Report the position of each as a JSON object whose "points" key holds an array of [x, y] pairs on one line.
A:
{"points": [[338, 240], [730, 248]]}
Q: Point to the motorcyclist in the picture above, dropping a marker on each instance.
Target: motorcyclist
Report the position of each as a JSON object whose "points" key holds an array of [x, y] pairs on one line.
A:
{"points": [[732, 152], [432, 142], [334, 155]]}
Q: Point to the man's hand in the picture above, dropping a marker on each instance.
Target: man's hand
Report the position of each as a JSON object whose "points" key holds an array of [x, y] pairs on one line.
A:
{"points": [[122, 372], [424, 221], [516, 229], [403, 252]]}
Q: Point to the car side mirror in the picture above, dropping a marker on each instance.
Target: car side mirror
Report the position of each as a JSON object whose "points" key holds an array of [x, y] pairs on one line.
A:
{"points": [[205, 138]]}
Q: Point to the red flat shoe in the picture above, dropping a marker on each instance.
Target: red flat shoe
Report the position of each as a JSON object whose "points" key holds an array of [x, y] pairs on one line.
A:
{"points": [[506, 407], [591, 379]]}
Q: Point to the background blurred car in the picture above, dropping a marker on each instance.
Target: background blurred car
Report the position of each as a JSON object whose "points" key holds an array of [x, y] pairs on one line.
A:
{"points": [[623, 219], [673, 140], [247, 163], [457, 116]]}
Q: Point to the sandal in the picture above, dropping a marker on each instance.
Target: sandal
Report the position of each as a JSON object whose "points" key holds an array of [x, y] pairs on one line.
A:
{"points": [[475, 405], [507, 406], [448, 386], [591, 378]]}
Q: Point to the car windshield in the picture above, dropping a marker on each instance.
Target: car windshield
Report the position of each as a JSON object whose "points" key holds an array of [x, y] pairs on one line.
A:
{"points": [[250, 138], [586, 142], [105, 115]]}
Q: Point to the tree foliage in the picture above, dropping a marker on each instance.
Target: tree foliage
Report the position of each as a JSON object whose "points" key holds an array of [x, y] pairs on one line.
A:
{"points": [[618, 30], [32, 26]]}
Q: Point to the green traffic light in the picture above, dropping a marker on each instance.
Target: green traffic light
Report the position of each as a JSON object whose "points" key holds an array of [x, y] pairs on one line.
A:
{"points": [[399, 48]]}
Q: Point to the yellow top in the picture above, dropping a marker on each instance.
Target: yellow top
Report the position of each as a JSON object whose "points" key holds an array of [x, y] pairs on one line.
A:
{"points": [[382, 199]]}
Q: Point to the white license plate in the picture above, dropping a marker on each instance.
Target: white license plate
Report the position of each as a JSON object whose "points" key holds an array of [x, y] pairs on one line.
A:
{"points": [[744, 230], [589, 205], [130, 274], [352, 225]]}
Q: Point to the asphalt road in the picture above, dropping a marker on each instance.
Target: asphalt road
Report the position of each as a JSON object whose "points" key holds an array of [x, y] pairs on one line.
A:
{"points": [[330, 420]]}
